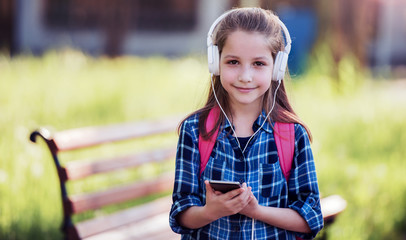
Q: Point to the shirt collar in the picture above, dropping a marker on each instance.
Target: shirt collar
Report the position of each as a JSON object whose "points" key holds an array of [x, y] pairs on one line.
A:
{"points": [[258, 122]]}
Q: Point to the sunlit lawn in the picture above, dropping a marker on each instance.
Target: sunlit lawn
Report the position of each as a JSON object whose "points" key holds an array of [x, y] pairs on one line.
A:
{"points": [[359, 132]]}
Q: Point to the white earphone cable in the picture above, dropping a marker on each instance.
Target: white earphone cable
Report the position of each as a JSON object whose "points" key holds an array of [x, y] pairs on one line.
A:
{"points": [[235, 134]]}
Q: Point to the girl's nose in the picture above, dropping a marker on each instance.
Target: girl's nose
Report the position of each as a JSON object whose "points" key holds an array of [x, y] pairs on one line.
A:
{"points": [[245, 75]]}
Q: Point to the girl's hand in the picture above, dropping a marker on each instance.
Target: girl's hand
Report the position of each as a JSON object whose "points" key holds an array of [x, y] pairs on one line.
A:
{"points": [[219, 205], [251, 207]]}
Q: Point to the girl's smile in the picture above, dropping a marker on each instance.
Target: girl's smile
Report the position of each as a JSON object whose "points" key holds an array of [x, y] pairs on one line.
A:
{"points": [[246, 65], [244, 89]]}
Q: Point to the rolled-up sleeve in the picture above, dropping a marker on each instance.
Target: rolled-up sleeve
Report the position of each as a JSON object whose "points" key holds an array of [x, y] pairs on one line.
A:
{"points": [[186, 187], [304, 194]]}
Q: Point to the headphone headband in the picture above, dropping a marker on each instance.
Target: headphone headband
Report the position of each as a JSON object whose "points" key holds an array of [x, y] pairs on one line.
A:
{"points": [[214, 25], [214, 55]]}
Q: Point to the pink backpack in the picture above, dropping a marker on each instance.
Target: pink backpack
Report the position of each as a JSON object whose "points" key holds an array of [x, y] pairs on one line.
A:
{"points": [[284, 138]]}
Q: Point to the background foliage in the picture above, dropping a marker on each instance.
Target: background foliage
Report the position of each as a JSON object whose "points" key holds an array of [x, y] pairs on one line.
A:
{"points": [[357, 124]]}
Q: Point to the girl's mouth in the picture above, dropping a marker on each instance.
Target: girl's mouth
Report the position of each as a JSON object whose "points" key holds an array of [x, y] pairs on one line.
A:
{"points": [[244, 90]]}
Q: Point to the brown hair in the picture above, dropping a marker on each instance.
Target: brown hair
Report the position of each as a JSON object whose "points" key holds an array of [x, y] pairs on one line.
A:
{"points": [[250, 20]]}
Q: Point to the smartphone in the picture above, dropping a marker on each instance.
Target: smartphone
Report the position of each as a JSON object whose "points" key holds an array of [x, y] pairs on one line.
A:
{"points": [[224, 186]]}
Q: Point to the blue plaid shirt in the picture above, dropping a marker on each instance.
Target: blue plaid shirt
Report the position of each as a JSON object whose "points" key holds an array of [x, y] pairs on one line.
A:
{"points": [[259, 168]]}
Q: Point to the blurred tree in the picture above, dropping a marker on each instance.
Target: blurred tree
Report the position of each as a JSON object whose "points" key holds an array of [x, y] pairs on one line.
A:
{"points": [[117, 19], [347, 26], [111, 17], [6, 25]]}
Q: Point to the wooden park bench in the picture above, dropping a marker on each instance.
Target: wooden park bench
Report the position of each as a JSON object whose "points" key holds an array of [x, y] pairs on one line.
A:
{"points": [[148, 220]]}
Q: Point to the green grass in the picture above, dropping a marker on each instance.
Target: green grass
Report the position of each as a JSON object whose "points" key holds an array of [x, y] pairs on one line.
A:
{"points": [[359, 150], [358, 127]]}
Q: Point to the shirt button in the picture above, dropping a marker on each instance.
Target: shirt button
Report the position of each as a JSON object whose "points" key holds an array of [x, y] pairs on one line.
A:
{"points": [[241, 180], [237, 229], [312, 202]]}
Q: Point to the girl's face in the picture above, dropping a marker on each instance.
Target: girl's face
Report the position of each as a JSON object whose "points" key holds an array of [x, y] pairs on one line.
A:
{"points": [[246, 65]]}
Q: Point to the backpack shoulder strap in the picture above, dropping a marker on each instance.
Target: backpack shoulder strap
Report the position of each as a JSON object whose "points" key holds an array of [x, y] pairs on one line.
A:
{"points": [[285, 142], [206, 146], [284, 139]]}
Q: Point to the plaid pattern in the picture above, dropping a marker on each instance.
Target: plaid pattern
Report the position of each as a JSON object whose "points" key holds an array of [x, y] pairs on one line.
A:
{"points": [[259, 168]]}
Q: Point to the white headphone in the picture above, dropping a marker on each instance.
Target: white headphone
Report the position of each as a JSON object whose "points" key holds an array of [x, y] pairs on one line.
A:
{"points": [[213, 54]]}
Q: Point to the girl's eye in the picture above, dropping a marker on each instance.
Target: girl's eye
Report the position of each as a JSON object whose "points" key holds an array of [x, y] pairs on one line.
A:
{"points": [[259, 63], [233, 62]]}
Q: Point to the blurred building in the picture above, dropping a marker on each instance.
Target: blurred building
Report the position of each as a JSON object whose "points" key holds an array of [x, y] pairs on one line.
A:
{"points": [[178, 27], [142, 27]]}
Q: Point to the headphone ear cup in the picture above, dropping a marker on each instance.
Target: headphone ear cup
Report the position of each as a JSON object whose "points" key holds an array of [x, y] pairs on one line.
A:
{"points": [[279, 67], [213, 59]]}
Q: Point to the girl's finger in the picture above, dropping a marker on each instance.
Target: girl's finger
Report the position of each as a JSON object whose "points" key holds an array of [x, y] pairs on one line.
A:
{"points": [[208, 186], [234, 193]]}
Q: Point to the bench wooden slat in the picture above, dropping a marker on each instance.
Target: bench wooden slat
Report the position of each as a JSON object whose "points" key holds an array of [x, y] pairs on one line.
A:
{"points": [[153, 228], [137, 215], [125, 217], [92, 201], [159, 235], [77, 170], [90, 136]]}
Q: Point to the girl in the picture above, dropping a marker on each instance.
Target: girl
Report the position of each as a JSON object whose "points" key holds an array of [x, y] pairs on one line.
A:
{"points": [[246, 53]]}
